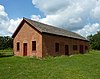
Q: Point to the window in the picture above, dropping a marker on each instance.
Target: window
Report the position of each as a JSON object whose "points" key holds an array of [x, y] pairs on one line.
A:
{"points": [[74, 47], [18, 46], [33, 45], [66, 50], [81, 49], [86, 47], [56, 47]]}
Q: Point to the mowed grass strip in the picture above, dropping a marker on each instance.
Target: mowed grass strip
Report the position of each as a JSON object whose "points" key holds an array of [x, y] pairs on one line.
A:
{"points": [[6, 53], [85, 66]]}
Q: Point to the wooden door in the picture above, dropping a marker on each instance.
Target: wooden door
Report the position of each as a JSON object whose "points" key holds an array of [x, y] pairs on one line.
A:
{"points": [[66, 50], [81, 49], [25, 49]]}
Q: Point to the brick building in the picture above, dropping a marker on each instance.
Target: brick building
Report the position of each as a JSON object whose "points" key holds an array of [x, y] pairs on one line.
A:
{"points": [[33, 38]]}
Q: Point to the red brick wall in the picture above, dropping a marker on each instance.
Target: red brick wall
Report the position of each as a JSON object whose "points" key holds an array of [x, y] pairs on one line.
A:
{"points": [[45, 43], [50, 40], [27, 35]]}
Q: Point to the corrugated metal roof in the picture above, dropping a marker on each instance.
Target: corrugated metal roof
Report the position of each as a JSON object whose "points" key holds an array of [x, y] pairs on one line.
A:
{"points": [[53, 30]]}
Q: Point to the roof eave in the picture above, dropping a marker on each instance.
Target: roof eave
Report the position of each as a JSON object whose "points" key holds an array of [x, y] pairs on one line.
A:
{"points": [[19, 26], [64, 36]]}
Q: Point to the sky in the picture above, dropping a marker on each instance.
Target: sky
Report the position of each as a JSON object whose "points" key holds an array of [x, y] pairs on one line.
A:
{"points": [[80, 16]]}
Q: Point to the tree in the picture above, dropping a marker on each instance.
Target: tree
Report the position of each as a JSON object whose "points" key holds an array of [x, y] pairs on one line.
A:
{"points": [[6, 42], [95, 41]]}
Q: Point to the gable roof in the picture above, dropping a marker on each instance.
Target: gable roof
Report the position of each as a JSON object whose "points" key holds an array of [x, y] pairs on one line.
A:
{"points": [[44, 28]]}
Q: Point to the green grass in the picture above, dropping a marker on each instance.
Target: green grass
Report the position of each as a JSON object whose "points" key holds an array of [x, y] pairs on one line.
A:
{"points": [[85, 66], [7, 52]]}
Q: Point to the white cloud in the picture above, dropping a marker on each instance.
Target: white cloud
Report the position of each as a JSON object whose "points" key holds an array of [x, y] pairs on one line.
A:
{"points": [[81, 16], [52, 6], [96, 12], [7, 26], [2, 12], [3, 18], [35, 17], [74, 15], [89, 29], [13, 25], [74, 20]]}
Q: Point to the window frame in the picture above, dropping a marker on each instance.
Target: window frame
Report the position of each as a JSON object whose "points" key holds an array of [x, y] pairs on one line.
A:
{"points": [[18, 46], [57, 47], [86, 47], [33, 45]]}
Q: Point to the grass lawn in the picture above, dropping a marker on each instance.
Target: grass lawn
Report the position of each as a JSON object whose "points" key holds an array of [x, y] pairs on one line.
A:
{"points": [[6, 53], [85, 66]]}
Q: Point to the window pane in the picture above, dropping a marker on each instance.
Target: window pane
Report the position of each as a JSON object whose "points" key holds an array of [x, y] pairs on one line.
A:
{"points": [[86, 47], [57, 47], [33, 45], [18, 46]]}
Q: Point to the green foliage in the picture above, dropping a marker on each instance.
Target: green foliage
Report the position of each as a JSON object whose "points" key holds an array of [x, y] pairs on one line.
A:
{"points": [[95, 41], [85, 66], [6, 42]]}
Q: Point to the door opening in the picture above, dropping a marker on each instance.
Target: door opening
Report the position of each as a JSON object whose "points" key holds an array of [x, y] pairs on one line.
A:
{"points": [[81, 49], [66, 50], [25, 49]]}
